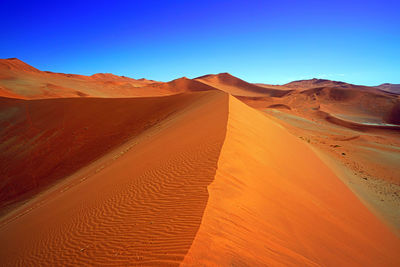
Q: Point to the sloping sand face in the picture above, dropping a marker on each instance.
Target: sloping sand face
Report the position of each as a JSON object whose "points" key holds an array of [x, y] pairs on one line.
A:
{"points": [[273, 202], [143, 209], [42, 141]]}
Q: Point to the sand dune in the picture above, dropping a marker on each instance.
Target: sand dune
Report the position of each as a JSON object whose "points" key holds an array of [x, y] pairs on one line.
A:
{"points": [[361, 127], [312, 83], [42, 141], [365, 156], [264, 211], [357, 105], [18, 79], [351, 103], [106, 170], [235, 86], [274, 86], [390, 88], [14, 64], [147, 206], [180, 85], [143, 208]]}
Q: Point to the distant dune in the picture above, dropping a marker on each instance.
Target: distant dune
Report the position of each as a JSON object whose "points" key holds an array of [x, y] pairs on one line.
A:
{"points": [[106, 170], [235, 86], [18, 79], [389, 87], [312, 83]]}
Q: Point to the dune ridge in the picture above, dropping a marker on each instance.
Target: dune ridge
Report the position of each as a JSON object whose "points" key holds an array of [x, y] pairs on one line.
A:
{"points": [[143, 209], [264, 211], [237, 87], [389, 87], [107, 170], [16, 64], [67, 134], [20, 80]]}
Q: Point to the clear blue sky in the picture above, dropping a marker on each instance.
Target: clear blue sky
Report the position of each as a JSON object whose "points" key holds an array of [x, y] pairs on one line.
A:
{"points": [[260, 41]]}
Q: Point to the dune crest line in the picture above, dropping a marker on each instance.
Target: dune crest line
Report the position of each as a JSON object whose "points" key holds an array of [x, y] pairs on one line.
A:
{"points": [[143, 209], [276, 203]]}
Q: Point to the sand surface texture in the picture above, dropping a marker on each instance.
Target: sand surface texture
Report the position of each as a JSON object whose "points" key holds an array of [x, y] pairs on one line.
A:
{"points": [[106, 170]]}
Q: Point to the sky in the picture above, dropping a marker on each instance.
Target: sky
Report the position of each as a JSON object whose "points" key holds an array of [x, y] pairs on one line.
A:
{"points": [[275, 41]]}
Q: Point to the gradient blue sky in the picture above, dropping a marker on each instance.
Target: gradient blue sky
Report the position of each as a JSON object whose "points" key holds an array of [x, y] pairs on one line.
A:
{"points": [[259, 41]]}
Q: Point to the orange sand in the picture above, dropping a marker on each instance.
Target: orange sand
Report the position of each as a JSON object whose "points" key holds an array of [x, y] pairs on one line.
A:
{"points": [[235, 86], [114, 171], [143, 208], [43, 141], [275, 203]]}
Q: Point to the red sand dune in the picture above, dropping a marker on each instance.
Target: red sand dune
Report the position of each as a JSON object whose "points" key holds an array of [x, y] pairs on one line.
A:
{"points": [[183, 173], [24, 81], [276, 203], [143, 208], [359, 104], [390, 88], [235, 86], [361, 127], [19, 80], [42, 141], [314, 83], [352, 103], [180, 85], [14, 64], [274, 86]]}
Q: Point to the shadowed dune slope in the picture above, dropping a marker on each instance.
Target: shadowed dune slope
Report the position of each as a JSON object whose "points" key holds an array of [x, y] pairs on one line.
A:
{"points": [[42, 141], [275, 203], [142, 209]]}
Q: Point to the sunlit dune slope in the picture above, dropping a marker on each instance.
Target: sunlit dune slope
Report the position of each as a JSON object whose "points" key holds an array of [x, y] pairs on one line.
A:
{"points": [[143, 208], [238, 87], [42, 141], [273, 202], [14, 64]]}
